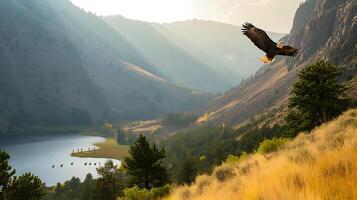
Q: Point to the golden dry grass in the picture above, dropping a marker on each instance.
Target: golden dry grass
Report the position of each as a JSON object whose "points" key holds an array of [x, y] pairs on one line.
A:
{"points": [[320, 165], [108, 149], [144, 127]]}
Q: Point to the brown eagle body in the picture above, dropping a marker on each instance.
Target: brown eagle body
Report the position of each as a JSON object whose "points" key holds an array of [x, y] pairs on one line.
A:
{"points": [[261, 39]]}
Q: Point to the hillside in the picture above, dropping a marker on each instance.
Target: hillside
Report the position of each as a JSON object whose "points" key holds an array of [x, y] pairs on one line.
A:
{"points": [[216, 60], [322, 29], [319, 165], [63, 66], [170, 60]]}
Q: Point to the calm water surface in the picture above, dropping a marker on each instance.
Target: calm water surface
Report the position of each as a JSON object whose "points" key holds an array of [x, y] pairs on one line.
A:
{"points": [[37, 154]]}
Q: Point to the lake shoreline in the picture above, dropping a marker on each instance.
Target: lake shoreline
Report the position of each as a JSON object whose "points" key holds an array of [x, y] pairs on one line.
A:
{"points": [[48, 156], [108, 149]]}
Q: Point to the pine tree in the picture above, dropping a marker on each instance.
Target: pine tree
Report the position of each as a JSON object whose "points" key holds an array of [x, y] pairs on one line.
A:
{"points": [[109, 185], [6, 172], [316, 97], [144, 165], [87, 187], [26, 187], [187, 171]]}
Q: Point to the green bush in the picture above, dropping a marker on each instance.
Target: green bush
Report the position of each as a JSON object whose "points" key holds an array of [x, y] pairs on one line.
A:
{"points": [[231, 159], [135, 193], [268, 146], [158, 192]]}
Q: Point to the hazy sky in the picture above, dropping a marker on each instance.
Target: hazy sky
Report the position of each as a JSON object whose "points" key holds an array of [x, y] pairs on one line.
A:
{"points": [[273, 15]]}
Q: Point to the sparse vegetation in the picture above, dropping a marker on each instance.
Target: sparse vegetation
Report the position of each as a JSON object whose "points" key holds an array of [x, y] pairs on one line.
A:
{"points": [[309, 167]]}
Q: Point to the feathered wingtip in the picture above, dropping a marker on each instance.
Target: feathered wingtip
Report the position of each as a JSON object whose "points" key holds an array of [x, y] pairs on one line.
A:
{"points": [[296, 52], [246, 26]]}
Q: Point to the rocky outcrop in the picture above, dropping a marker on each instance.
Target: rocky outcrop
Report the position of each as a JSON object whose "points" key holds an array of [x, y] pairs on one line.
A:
{"points": [[329, 33]]}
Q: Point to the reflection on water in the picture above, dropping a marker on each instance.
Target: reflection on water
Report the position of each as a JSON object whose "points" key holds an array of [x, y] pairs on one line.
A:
{"points": [[38, 153]]}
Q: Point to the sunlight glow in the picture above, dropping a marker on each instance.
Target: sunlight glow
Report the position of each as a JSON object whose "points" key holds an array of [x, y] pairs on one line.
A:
{"points": [[153, 10], [281, 12]]}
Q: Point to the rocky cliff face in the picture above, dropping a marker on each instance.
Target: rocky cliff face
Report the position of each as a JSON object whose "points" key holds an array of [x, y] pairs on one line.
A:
{"points": [[328, 33], [323, 29]]}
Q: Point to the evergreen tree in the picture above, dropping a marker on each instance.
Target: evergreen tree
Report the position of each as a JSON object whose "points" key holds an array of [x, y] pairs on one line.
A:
{"points": [[86, 190], [144, 165], [110, 183], [72, 187], [6, 172], [25, 187], [187, 171], [316, 97]]}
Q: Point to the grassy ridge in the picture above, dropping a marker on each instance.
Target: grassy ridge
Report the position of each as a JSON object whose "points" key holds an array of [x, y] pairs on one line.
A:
{"points": [[319, 165], [108, 149]]}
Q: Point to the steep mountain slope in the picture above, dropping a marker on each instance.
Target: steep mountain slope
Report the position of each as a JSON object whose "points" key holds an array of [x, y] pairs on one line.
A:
{"points": [[60, 65], [319, 165], [323, 29], [170, 60], [216, 60], [218, 43]]}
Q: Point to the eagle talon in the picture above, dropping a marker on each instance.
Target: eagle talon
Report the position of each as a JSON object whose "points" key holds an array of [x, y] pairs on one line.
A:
{"points": [[265, 60]]}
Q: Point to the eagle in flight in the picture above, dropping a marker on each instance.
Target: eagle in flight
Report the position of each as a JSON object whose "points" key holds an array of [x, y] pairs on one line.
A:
{"points": [[261, 39]]}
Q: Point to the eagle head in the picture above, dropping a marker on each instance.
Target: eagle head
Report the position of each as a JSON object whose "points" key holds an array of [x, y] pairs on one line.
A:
{"points": [[280, 44]]}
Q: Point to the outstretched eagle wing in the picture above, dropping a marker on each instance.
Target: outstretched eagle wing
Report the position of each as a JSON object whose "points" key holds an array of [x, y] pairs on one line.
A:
{"points": [[288, 51], [259, 37]]}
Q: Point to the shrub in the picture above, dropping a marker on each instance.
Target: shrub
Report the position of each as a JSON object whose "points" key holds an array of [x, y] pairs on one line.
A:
{"points": [[135, 193], [158, 192], [268, 146], [231, 159], [223, 173]]}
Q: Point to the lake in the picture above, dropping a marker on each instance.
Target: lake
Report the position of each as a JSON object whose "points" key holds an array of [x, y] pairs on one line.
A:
{"points": [[37, 154]]}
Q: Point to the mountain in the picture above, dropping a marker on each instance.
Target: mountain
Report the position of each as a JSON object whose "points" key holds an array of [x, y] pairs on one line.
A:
{"points": [[60, 65], [169, 59], [322, 29], [216, 60]]}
